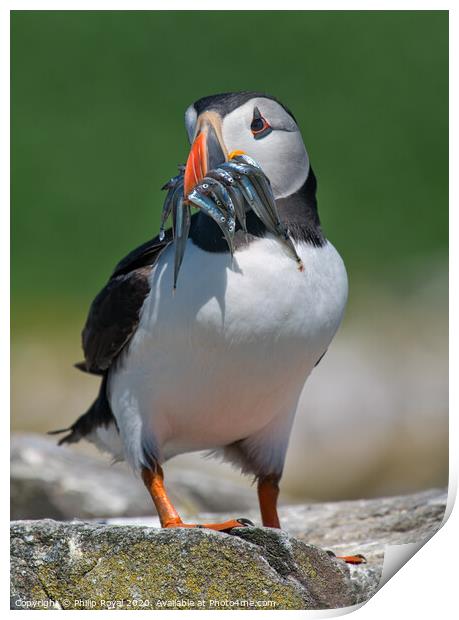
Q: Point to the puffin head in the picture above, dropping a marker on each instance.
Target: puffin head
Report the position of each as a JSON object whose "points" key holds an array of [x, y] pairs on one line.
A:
{"points": [[220, 126]]}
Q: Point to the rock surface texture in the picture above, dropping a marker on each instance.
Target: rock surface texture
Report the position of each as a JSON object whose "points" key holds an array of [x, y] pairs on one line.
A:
{"points": [[63, 564], [82, 565]]}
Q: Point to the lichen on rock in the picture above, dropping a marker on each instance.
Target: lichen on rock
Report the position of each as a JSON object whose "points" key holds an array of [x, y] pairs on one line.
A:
{"points": [[75, 565], [128, 565]]}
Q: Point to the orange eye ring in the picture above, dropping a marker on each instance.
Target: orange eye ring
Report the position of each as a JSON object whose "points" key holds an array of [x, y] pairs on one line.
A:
{"points": [[259, 125]]}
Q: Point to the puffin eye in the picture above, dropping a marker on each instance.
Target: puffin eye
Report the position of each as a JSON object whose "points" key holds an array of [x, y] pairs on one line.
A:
{"points": [[259, 125]]}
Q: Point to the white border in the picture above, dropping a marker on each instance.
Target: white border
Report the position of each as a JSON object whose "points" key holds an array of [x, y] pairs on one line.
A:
{"points": [[424, 589]]}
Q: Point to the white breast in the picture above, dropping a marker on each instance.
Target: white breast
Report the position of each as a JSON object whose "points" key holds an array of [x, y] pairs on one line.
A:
{"points": [[229, 351]]}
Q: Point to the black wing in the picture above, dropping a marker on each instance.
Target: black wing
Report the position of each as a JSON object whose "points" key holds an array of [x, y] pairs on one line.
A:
{"points": [[114, 314]]}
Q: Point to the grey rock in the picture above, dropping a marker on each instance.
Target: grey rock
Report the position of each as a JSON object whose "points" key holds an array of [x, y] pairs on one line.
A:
{"points": [[354, 527], [125, 559], [367, 526], [89, 566], [60, 483], [363, 527]]}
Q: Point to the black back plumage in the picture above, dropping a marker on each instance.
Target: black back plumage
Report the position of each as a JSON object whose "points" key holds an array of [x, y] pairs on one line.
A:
{"points": [[112, 321], [114, 314]]}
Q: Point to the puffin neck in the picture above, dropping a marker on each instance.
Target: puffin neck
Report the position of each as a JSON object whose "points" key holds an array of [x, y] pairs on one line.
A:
{"points": [[297, 211]]}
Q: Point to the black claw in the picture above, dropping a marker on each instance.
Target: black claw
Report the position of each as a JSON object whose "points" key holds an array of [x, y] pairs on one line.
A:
{"points": [[246, 522]]}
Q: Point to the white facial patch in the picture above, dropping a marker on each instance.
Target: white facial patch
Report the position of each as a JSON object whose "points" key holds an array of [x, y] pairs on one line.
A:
{"points": [[281, 153]]}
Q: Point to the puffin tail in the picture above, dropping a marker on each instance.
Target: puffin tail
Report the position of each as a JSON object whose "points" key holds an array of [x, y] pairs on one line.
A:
{"points": [[98, 414], [74, 434], [85, 368]]}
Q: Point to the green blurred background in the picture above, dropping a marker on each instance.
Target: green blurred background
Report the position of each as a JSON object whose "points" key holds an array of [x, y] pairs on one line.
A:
{"points": [[97, 101]]}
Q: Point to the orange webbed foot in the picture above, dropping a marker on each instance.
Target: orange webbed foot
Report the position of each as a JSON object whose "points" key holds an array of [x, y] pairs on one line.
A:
{"points": [[353, 559], [168, 515], [225, 526], [350, 559]]}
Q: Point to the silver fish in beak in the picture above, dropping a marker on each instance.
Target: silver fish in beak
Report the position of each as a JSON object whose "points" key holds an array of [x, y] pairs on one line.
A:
{"points": [[222, 187]]}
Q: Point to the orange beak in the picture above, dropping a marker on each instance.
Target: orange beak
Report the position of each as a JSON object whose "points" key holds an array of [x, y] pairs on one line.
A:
{"points": [[196, 164], [207, 151]]}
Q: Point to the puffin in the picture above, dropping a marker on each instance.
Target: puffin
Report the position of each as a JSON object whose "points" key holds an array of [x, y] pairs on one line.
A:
{"points": [[218, 363]]}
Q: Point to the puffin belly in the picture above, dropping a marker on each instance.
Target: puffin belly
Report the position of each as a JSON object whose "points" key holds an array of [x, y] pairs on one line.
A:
{"points": [[229, 351]]}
